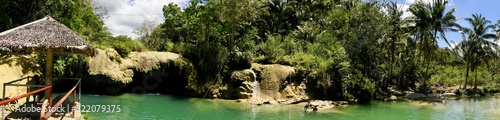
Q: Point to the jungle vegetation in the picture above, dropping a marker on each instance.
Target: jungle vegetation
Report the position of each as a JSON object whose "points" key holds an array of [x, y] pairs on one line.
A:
{"points": [[344, 48]]}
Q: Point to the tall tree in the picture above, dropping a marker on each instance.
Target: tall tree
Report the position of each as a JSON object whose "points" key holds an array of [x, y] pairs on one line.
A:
{"points": [[431, 19], [478, 48], [236, 15], [497, 26], [395, 35]]}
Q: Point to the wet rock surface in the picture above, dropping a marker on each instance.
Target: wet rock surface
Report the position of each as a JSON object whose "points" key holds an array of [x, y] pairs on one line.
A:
{"points": [[318, 105], [266, 84]]}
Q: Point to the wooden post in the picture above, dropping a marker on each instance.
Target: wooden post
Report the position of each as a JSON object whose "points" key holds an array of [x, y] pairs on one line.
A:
{"points": [[48, 70]]}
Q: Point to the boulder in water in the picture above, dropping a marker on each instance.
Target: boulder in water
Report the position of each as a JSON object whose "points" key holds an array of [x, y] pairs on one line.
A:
{"points": [[448, 94], [391, 98], [318, 105], [415, 96]]}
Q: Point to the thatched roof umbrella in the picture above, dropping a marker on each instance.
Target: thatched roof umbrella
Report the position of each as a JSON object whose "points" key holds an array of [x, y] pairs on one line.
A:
{"points": [[45, 35]]}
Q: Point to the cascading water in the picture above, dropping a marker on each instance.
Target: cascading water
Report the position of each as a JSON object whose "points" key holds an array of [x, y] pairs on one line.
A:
{"points": [[255, 96], [255, 89]]}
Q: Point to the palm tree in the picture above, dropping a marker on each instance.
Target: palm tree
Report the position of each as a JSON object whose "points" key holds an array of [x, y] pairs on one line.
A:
{"points": [[395, 36], [478, 48], [283, 15], [431, 19], [498, 30], [442, 22]]}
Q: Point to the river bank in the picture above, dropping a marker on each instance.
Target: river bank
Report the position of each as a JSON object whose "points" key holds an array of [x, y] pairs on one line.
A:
{"points": [[170, 73], [257, 83]]}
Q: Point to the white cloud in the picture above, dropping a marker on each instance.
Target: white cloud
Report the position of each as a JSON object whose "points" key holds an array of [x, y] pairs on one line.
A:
{"points": [[450, 2], [404, 8], [127, 15]]}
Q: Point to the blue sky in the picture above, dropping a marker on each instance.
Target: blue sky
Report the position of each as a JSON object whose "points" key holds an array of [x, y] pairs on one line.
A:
{"points": [[465, 8]]}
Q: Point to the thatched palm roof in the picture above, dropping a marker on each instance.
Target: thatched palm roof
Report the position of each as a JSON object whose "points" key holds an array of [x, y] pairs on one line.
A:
{"points": [[44, 34]]}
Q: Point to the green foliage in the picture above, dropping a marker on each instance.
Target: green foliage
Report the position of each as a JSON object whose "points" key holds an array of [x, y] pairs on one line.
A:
{"points": [[123, 45], [447, 76], [239, 60], [342, 49], [209, 60], [271, 49], [78, 15]]}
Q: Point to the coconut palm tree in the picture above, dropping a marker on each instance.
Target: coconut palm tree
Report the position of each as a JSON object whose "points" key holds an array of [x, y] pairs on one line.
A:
{"points": [[498, 30], [422, 27], [396, 34], [478, 48], [442, 22], [431, 19]]}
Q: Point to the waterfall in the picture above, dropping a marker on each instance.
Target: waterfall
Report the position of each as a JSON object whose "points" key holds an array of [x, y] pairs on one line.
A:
{"points": [[255, 89], [255, 96]]}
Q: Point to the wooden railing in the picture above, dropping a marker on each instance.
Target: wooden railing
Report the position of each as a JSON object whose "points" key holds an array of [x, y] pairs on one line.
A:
{"points": [[24, 95], [53, 108], [43, 88]]}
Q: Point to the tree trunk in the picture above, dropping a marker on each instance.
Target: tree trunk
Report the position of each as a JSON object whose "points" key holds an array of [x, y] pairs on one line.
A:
{"points": [[391, 52], [492, 78], [427, 64], [475, 79], [466, 75], [48, 71]]}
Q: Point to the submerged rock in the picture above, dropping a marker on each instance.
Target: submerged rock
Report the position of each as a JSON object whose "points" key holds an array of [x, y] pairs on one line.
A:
{"points": [[318, 105], [415, 96], [391, 98]]}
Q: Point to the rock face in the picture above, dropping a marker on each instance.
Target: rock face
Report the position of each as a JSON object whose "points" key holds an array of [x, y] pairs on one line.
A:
{"points": [[139, 72], [13, 67], [241, 85], [265, 84], [276, 84], [169, 73]]}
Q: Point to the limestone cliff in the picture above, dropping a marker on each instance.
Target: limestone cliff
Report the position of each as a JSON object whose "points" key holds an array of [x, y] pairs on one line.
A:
{"points": [[13, 67], [138, 72], [170, 73], [265, 84]]}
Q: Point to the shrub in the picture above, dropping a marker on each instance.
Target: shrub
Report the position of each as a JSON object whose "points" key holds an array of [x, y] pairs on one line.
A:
{"points": [[180, 47], [240, 60], [485, 91], [271, 49], [208, 59], [124, 45], [122, 49]]}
